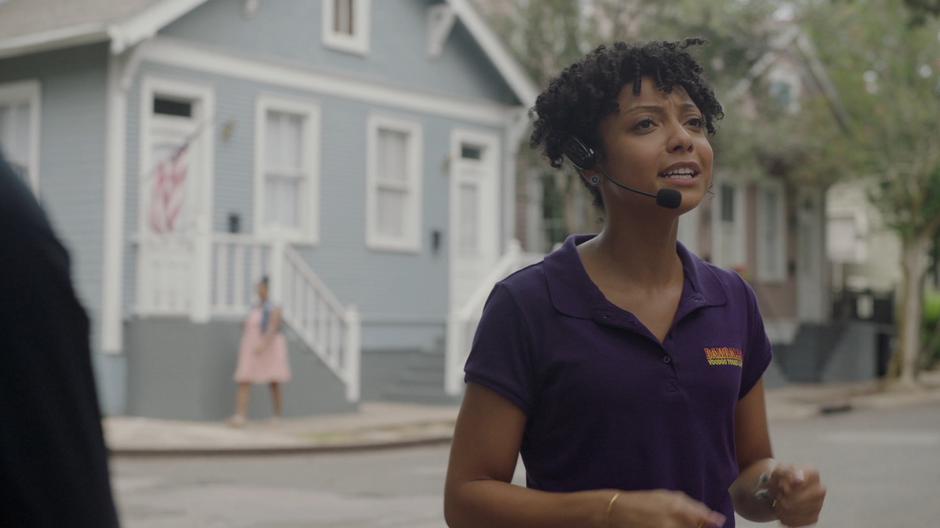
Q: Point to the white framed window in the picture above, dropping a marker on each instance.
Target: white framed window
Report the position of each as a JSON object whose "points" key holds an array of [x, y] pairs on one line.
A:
{"points": [[393, 193], [785, 88], [728, 233], [19, 129], [287, 179], [346, 25], [771, 232]]}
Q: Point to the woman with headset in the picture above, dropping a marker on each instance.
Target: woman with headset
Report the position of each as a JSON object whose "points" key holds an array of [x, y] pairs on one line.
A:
{"points": [[624, 369]]}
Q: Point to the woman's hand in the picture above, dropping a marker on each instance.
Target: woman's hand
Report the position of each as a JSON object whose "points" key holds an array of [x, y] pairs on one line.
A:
{"points": [[661, 509], [798, 495]]}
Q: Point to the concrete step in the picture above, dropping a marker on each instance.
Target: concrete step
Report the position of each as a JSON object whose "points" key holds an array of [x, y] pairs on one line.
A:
{"points": [[405, 375], [427, 370], [424, 358], [417, 378], [420, 394]]}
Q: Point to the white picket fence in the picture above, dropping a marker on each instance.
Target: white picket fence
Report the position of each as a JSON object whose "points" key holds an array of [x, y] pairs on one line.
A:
{"points": [[462, 322]]}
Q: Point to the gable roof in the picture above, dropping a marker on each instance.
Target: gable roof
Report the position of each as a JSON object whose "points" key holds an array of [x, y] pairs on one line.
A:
{"points": [[496, 51], [35, 25]]}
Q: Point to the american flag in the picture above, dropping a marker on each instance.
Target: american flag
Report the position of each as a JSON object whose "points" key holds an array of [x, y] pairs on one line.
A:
{"points": [[169, 191]]}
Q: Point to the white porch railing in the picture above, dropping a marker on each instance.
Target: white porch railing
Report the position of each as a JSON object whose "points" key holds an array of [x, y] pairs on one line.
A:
{"points": [[238, 263], [329, 329], [462, 322]]}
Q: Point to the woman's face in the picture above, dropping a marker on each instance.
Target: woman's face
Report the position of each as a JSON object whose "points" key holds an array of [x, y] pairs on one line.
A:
{"points": [[262, 291], [656, 141]]}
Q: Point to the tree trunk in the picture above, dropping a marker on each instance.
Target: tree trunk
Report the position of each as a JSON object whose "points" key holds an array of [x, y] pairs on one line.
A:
{"points": [[914, 265]]}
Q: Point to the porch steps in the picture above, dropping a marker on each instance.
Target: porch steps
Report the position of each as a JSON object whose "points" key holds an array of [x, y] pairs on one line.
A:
{"points": [[802, 360], [405, 375]]}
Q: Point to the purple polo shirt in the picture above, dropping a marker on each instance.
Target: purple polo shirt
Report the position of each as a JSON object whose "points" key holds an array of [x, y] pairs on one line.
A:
{"points": [[607, 404]]}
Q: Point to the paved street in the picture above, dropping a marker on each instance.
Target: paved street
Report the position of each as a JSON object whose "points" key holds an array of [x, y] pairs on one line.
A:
{"points": [[882, 468]]}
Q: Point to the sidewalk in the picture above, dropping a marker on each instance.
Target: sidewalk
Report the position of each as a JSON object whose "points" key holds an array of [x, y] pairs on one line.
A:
{"points": [[374, 426], [389, 425], [800, 401]]}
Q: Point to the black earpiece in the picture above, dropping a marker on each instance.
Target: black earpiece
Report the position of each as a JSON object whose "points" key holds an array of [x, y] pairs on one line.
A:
{"points": [[581, 155], [585, 158]]}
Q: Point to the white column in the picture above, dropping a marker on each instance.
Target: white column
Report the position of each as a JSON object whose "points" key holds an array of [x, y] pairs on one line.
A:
{"points": [[276, 272], [812, 283], [353, 353], [452, 355], [113, 230], [516, 127], [202, 260], [689, 230]]}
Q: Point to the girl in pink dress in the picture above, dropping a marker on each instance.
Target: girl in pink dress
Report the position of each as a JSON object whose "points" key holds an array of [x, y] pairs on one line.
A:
{"points": [[262, 357]]}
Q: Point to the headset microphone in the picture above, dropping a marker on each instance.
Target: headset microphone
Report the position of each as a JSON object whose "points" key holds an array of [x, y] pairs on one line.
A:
{"points": [[584, 158]]}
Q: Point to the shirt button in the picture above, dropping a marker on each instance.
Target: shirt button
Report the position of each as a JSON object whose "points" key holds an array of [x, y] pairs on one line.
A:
{"points": [[667, 359]]}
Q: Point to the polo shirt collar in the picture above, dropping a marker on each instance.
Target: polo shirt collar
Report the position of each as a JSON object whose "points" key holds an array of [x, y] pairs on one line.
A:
{"points": [[573, 292]]}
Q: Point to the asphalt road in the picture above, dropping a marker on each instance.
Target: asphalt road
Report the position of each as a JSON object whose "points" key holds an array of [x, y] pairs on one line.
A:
{"points": [[882, 469]]}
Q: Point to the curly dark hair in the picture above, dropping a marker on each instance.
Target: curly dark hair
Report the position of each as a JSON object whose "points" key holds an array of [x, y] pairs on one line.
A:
{"points": [[586, 92]]}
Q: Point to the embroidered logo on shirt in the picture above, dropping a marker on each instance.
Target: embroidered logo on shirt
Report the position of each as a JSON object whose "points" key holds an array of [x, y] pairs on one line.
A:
{"points": [[724, 356]]}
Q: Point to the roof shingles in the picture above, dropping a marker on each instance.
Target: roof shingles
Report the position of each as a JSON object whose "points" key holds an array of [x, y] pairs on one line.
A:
{"points": [[20, 18]]}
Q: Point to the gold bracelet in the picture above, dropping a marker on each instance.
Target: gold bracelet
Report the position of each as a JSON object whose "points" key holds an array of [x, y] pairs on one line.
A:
{"points": [[610, 506]]}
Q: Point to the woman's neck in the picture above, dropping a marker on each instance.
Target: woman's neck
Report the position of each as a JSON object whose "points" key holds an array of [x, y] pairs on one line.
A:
{"points": [[636, 252]]}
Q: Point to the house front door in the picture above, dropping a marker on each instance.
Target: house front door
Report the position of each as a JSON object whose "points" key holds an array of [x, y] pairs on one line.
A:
{"points": [[474, 212], [174, 201]]}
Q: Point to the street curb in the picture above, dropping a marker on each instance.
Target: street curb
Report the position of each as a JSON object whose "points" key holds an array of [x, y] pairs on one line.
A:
{"points": [[832, 408], [277, 450], [878, 401]]}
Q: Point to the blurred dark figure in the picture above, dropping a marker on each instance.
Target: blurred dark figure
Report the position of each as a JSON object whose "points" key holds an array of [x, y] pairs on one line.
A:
{"points": [[53, 461]]}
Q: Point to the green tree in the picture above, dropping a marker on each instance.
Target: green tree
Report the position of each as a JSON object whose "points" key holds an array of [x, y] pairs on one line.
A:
{"points": [[885, 68], [922, 10], [547, 35], [759, 136]]}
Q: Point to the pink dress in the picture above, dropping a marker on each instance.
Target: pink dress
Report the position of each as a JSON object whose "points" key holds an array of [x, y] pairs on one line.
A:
{"points": [[268, 365]]}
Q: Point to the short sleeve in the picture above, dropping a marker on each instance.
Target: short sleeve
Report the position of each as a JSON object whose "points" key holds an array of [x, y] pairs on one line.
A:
{"points": [[500, 357], [758, 351]]}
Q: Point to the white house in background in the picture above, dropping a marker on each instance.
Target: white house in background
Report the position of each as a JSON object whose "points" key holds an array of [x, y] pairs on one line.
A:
{"points": [[864, 252], [771, 231], [359, 152]]}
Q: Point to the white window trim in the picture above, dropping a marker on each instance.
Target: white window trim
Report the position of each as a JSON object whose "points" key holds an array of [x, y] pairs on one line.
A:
{"points": [[309, 234], [786, 75], [764, 272], [739, 259], [411, 242], [357, 43], [174, 52], [29, 91], [489, 197]]}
